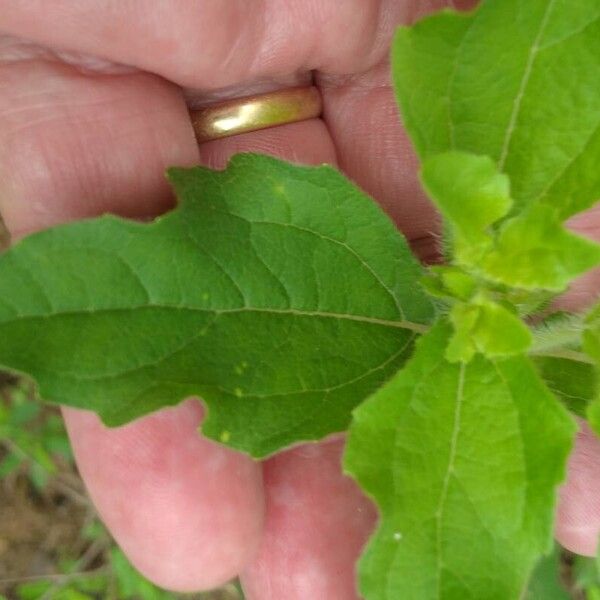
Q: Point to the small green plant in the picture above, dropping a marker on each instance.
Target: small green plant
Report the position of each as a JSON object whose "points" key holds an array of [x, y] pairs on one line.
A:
{"points": [[287, 299], [35, 445], [33, 440]]}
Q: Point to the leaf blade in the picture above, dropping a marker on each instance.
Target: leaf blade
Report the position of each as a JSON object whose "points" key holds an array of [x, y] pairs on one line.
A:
{"points": [[228, 297], [458, 505], [496, 99]]}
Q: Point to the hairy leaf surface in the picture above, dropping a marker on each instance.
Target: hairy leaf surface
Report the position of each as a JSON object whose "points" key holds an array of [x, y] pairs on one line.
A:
{"points": [[463, 461], [516, 81], [471, 195], [280, 294]]}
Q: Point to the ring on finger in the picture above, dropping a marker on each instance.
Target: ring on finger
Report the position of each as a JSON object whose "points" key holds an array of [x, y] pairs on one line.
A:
{"points": [[252, 113]]}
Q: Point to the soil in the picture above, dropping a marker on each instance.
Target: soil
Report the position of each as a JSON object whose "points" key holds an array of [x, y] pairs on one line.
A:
{"points": [[36, 530], [40, 529]]}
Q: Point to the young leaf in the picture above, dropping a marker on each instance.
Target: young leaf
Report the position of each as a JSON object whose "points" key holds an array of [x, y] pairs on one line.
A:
{"points": [[535, 251], [471, 195], [488, 328], [463, 461], [280, 294], [532, 251], [449, 282], [516, 81]]}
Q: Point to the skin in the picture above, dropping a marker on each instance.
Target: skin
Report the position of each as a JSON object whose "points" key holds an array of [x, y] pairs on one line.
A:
{"points": [[81, 134]]}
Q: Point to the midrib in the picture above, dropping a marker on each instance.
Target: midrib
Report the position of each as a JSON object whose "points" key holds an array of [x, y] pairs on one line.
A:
{"points": [[439, 514], [512, 124], [399, 324]]}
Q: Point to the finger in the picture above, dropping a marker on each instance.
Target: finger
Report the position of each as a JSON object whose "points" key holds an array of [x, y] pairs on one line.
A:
{"points": [[307, 142], [317, 523], [187, 511], [74, 146], [578, 519], [376, 152], [211, 43]]}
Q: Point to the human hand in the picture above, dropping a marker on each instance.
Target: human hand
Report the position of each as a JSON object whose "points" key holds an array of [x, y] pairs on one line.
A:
{"points": [[80, 136]]}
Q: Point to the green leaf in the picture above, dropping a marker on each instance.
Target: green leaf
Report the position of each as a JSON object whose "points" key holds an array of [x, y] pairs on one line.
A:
{"points": [[592, 414], [464, 462], [572, 381], [23, 413], [8, 464], [449, 282], [534, 251], [280, 294], [586, 574], [545, 581], [486, 327], [591, 334], [457, 282], [591, 346], [423, 63], [471, 195], [37, 590], [516, 81], [130, 583]]}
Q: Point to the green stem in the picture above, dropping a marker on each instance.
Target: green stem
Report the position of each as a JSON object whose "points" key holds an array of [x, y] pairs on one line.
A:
{"points": [[565, 353]]}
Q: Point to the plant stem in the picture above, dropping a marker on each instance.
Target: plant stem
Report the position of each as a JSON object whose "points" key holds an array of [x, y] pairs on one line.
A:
{"points": [[565, 353]]}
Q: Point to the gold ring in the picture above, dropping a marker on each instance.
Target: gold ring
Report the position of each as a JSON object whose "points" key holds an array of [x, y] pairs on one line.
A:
{"points": [[252, 113]]}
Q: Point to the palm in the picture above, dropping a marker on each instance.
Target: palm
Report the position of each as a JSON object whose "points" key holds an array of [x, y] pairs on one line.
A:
{"points": [[74, 144]]}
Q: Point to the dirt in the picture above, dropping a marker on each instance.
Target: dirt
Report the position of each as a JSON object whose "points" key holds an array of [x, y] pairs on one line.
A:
{"points": [[41, 529], [36, 530]]}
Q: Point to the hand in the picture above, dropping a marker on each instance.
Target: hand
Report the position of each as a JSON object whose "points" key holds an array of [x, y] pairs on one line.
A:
{"points": [[80, 136]]}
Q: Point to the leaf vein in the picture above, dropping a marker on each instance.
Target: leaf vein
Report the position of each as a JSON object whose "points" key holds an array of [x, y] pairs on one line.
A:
{"points": [[439, 514], [512, 124], [347, 247]]}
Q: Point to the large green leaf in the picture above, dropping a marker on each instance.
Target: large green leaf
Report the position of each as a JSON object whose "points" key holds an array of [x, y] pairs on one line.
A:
{"points": [[280, 294], [516, 81], [423, 64], [463, 461]]}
